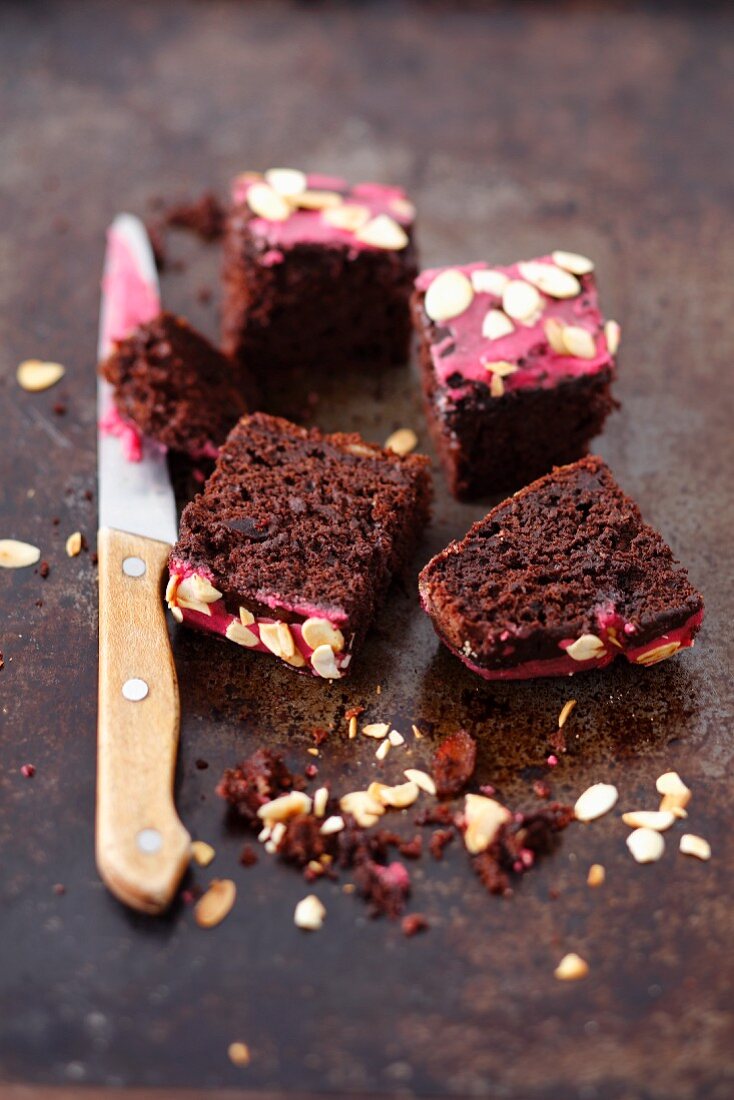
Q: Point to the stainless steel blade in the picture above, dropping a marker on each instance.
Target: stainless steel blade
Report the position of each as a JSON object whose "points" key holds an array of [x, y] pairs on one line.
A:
{"points": [[133, 496]]}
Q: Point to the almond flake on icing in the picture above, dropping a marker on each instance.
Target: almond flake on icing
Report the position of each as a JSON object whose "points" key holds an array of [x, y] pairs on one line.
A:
{"points": [[489, 281], [586, 648], [317, 200], [554, 335], [497, 324], [449, 295], [579, 342], [239, 634], [552, 280], [324, 663], [198, 589], [267, 203], [318, 632], [404, 208], [659, 653], [277, 638], [520, 300], [573, 262], [501, 367], [350, 216], [383, 232], [287, 181], [246, 617]]}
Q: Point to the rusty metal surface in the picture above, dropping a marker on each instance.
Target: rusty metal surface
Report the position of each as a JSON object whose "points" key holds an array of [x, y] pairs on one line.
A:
{"points": [[517, 128]]}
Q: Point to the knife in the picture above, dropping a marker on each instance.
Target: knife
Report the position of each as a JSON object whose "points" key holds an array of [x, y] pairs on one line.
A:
{"points": [[142, 849]]}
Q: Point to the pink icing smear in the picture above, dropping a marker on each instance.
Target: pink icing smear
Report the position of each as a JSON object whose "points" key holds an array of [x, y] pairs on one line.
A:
{"points": [[310, 227], [131, 300], [131, 439], [567, 666], [462, 350]]}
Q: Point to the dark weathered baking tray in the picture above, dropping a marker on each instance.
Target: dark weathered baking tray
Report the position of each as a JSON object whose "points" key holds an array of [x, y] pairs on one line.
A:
{"points": [[517, 128]]}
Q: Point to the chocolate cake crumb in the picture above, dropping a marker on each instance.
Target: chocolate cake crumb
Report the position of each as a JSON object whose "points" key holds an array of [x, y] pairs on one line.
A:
{"points": [[516, 845], [303, 841], [59, 888], [248, 856], [439, 839], [59, 408], [201, 764], [454, 763], [414, 923], [411, 849], [44, 569], [385, 888], [258, 779], [436, 815], [203, 216]]}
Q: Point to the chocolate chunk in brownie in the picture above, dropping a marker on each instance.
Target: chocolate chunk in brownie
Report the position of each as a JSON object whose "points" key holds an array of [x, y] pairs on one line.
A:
{"points": [[560, 578]]}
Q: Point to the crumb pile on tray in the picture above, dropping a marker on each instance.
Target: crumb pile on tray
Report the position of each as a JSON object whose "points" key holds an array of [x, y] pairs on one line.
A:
{"points": [[561, 578], [290, 547]]}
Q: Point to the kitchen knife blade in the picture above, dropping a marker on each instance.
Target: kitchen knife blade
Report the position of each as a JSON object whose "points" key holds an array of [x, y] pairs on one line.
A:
{"points": [[142, 848]]}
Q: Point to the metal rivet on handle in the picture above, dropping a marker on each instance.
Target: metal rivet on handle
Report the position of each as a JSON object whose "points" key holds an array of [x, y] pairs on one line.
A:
{"points": [[135, 690], [133, 567], [149, 841]]}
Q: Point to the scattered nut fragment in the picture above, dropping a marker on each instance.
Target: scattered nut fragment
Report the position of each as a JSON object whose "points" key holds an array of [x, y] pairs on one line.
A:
{"points": [[596, 875], [196, 589], [213, 906], [573, 262], [401, 796], [449, 295], [34, 375], [421, 779], [287, 181], [596, 801], [402, 441], [496, 385], [676, 794], [365, 809], [320, 800], [659, 653], [383, 749], [240, 635], [646, 845], [484, 817], [579, 342], [324, 663], [383, 232], [396, 739], [571, 968], [612, 335], [17, 555], [333, 824], [416, 732], [202, 853], [309, 914], [376, 729], [317, 632], [353, 727], [552, 280], [489, 281], [284, 807], [692, 845], [74, 545], [239, 1054], [520, 300], [658, 820], [350, 216], [565, 712], [586, 648], [176, 612], [496, 324], [267, 203]]}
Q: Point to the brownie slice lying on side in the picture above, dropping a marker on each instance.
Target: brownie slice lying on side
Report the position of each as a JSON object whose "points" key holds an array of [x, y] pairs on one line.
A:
{"points": [[560, 578], [171, 385], [292, 544], [516, 365]]}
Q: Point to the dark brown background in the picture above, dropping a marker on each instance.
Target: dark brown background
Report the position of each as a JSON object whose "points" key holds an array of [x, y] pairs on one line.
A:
{"points": [[517, 128]]}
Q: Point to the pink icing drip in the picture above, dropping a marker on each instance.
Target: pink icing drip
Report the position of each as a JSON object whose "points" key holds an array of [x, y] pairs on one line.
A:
{"points": [[131, 439], [309, 226], [566, 666], [471, 350]]}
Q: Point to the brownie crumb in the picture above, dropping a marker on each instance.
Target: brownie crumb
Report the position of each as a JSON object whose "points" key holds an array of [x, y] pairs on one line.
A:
{"points": [[44, 569], [59, 888], [248, 856], [414, 923], [454, 763], [517, 844], [28, 770], [59, 408], [385, 888], [303, 841], [436, 815], [257, 780], [202, 764], [439, 839], [541, 788], [411, 849], [203, 216]]}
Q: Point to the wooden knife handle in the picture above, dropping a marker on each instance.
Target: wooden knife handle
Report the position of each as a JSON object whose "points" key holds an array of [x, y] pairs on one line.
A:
{"points": [[142, 847]]}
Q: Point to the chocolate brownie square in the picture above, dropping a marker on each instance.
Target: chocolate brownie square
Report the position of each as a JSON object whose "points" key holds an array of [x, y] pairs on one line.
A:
{"points": [[291, 546], [516, 365], [171, 385], [317, 274], [562, 577]]}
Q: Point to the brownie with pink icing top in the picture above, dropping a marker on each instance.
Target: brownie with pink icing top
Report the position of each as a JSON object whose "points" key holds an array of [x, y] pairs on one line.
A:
{"points": [[516, 365], [290, 548], [317, 273], [171, 385], [561, 578]]}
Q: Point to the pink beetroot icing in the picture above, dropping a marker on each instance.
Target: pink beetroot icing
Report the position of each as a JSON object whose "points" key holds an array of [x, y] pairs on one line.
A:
{"points": [[463, 350], [309, 226], [130, 438], [131, 300], [220, 619], [610, 625]]}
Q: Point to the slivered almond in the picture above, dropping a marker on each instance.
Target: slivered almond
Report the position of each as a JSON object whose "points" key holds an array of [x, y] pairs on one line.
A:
{"points": [[35, 375], [350, 216], [74, 544], [324, 663], [176, 612], [404, 208], [596, 875], [674, 791], [580, 343], [659, 820], [376, 729], [320, 801], [489, 281], [318, 632], [365, 809], [549, 278], [692, 845], [645, 845], [573, 262], [401, 796], [198, 589], [586, 648], [202, 853], [353, 727], [17, 555], [659, 653], [213, 906], [240, 635], [383, 232], [246, 617], [287, 181], [318, 200], [554, 335], [501, 368], [449, 295], [421, 779], [284, 807], [278, 639], [571, 968], [395, 738], [612, 335], [383, 749], [496, 324], [596, 801], [266, 203], [520, 300], [402, 441], [565, 712], [309, 914], [333, 824], [484, 817]]}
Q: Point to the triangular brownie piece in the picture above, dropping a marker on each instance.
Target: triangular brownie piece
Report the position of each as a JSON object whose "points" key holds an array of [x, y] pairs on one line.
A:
{"points": [[562, 577]]}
